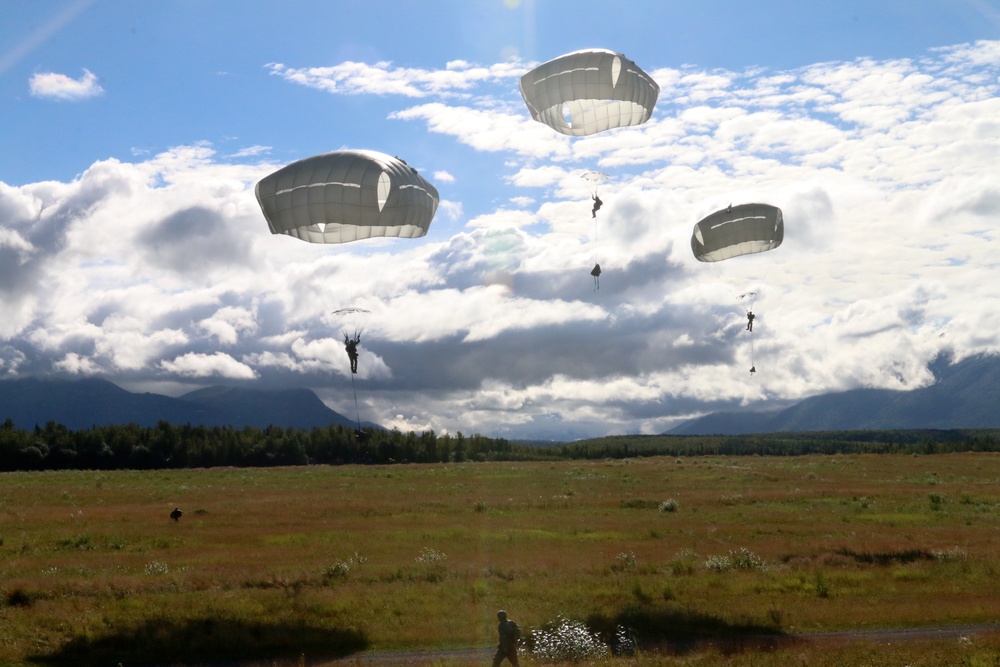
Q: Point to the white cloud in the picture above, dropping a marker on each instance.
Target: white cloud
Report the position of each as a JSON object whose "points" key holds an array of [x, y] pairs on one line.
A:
{"points": [[56, 86], [252, 151], [383, 78], [226, 324], [208, 365], [163, 270]]}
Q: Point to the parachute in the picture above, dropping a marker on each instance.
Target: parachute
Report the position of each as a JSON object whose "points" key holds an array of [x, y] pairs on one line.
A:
{"points": [[747, 299], [352, 320], [737, 230], [589, 91], [346, 196], [734, 231], [594, 178]]}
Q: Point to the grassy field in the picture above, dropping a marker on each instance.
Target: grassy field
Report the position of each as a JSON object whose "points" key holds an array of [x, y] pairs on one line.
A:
{"points": [[707, 560]]}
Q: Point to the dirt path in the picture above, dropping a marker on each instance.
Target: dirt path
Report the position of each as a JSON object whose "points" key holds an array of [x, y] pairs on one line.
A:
{"points": [[883, 635]]}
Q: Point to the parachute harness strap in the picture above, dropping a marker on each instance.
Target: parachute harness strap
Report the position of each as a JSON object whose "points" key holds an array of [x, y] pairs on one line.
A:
{"points": [[357, 410]]}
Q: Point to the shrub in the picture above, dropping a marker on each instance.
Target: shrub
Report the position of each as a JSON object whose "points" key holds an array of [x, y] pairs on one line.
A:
{"points": [[19, 598], [822, 588], [947, 555], [338, 570], [431, 556], [684, 562], [565, 640], [624, 642], [744, 559], [668, 505], [717, 563], [624, 561], [156, 567], [341, 568]]}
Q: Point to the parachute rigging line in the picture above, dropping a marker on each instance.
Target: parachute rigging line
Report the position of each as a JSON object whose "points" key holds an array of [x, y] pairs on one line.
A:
{"points": [[357, 410]]}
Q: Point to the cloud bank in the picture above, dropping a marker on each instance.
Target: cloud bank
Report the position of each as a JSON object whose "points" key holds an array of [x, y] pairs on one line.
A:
{"points": [[161, 275]]}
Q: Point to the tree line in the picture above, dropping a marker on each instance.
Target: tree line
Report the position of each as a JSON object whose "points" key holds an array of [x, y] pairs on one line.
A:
{"points": [[128, 446]]}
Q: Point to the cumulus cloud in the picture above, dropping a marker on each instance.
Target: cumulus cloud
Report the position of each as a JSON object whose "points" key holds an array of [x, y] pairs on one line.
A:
{"points": [[163, 271], [382, 78], [51, 85], [208, 365]]}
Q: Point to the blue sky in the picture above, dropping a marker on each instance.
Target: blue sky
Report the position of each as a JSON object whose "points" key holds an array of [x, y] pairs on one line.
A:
{"points": [[132, 248]]}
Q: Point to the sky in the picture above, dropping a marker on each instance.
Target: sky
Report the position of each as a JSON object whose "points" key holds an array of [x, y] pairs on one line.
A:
{"points": [[132, 247]]}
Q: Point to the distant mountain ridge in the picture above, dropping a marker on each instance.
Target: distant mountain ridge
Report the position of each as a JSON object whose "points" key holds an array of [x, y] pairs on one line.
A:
{"points": [[964, 395], [81, 404]]}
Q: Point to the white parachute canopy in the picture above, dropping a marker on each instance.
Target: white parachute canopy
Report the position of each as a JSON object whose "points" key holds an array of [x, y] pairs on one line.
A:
{"points": [[345, 196], [590, 91], [594, 179], [351, 320], [737, 230]]}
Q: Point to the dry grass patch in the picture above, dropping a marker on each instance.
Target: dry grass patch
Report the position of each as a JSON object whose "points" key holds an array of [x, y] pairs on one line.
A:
{"points": [[422, 556]]}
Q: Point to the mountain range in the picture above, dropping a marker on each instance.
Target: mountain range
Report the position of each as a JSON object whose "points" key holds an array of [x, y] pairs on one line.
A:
{"points": [[963, 395], [81, 404]]}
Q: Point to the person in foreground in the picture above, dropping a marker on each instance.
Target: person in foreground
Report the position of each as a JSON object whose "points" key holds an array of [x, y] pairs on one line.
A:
{"points": [[509, 632]]}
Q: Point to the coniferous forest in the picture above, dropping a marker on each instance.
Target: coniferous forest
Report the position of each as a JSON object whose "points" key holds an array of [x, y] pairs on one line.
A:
{"points": [[164, 446]]}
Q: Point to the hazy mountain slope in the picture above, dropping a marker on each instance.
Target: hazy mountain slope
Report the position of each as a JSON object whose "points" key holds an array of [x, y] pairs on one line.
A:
{"points": [[79, 404], [964, 395]]}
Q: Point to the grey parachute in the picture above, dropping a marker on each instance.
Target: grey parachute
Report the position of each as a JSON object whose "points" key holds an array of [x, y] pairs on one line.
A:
{"points": [[737, 230], [590, 91], [747, 300], [345, 196], [351, 320], [594, 180]]}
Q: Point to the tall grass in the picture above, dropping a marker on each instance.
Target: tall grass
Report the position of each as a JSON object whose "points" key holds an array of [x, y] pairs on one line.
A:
{"points": [[271, 564]]}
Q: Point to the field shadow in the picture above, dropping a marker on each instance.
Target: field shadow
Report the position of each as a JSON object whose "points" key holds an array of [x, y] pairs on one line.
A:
{"points": [[679, 632], [886, 557], [205, 640]]}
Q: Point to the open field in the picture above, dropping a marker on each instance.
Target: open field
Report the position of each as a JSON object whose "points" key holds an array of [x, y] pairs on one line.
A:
{"points": [[708, 560]]}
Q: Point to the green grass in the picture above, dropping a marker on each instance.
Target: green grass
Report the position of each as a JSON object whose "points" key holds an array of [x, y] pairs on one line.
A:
{"points": [[271, 564]]}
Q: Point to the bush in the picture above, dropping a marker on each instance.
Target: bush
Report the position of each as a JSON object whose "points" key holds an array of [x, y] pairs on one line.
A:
{"points": [[565, 640], [157, 567], [684, 562], [19, 598], [717, 563], [948, 555], [431, 556], [341, 568], [744, 559], [668, 505], [624, 561]]}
